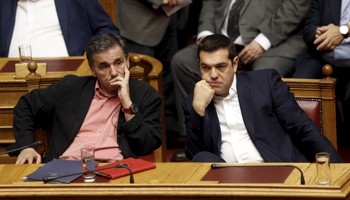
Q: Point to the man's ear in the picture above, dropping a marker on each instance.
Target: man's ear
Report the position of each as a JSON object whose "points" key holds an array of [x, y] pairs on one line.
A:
{"points": [[235, 63], [128, 61], [93, 72]]}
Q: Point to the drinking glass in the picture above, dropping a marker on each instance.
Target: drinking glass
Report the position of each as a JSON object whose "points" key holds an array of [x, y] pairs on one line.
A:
{"points": [[323, 168], [25, 53], [88, 164]]}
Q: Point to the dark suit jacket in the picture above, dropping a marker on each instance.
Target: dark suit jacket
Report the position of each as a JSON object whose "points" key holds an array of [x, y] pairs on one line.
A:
{"points": [[80, 21], [277, 126], [67, 102]]}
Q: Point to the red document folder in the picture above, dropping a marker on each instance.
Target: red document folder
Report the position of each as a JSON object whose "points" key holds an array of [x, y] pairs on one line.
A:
{"points": [[249, 174], [135, 165]]}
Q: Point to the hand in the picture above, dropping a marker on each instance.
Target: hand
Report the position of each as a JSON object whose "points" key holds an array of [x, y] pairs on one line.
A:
{"points": [[123, 87], [28, 154], [170, 2], [328, 37], [251, 52], [203, 94], [123, 91]]}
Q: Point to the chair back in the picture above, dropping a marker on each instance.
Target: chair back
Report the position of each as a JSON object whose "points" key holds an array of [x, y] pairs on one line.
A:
{"points": [[317, 98], [149, 70]]}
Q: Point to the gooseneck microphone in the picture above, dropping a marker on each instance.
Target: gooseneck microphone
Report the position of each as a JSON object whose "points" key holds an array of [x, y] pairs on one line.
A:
{"points": [[51, 178], [37, 143], [126, 166], [302, 180]]}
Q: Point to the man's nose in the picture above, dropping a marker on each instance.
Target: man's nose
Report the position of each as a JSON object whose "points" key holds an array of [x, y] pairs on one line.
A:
{"points": [[213, 73], [114, 70]]}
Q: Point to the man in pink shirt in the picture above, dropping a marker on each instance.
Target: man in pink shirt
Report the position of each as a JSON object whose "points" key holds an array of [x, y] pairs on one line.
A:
{"points": [[116, 115]]}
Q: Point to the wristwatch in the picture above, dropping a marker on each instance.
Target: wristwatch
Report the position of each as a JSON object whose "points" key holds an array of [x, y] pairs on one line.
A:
{"points": [[344, 30], [132, 109]]}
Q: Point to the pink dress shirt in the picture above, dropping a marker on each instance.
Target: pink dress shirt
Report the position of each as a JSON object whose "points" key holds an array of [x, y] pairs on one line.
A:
{"points": [[99, 130]]}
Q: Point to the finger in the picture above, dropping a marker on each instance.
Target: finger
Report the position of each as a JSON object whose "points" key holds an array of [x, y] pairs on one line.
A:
{"points": [[246, 57], [21, 159], [38, 159], [126, 73], [113, 79], [321, 46], [30, 160], [318, 32], [319, 39], [243, 52], [322, 29]]}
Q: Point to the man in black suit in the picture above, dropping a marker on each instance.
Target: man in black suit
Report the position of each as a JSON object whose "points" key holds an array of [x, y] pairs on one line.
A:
{"points": [[116, 115], [246, 117]]}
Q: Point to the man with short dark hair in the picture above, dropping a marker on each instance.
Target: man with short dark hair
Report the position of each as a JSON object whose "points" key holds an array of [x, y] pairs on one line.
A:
{"points": [[116, 115], [267, 34], [246, 117]]}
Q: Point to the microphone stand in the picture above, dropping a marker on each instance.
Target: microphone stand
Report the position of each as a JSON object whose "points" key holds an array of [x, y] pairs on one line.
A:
{"points": [[302, 180], [37, 143], [51, 178]]}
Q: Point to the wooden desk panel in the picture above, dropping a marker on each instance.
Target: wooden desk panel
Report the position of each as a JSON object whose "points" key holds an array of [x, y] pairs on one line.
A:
{"points": [[176, 181]]}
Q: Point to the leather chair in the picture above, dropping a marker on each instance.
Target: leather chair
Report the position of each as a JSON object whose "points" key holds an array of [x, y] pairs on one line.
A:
{"points": [[317, 98]]}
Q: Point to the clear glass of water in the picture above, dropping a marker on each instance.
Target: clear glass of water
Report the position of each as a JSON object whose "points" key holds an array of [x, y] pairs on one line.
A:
{"points": [[323, 168], [88, 164], [25, 53]]}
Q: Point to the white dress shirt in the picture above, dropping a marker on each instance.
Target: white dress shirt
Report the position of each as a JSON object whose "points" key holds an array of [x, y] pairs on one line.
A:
{"points": [[236, 143], [261, 38], [37, 24]]}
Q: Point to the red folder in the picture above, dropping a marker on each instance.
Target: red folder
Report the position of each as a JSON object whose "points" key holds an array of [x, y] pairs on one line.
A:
{"points": [[135, 165], [241, 174]]}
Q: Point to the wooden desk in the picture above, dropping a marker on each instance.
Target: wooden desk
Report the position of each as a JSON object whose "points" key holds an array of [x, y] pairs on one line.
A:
{"points": [[176, 181]]}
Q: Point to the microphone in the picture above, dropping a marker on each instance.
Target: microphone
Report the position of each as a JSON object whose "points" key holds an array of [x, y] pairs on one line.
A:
{"points": [[37, 143], [126, 166], [302, 180], [51, 178]]}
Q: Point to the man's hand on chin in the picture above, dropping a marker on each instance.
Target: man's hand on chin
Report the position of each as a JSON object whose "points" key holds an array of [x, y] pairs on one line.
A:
{"points": [[202, 95], [123, 91]]}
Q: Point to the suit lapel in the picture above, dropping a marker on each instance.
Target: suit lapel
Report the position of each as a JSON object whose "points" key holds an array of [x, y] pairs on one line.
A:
{"points": [[84, 104], [214, 124], [335, 6], [9, 20], [244, 98], [246, 3], [62, 13]]}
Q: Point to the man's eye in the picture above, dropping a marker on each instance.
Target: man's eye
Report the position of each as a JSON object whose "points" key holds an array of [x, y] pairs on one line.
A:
{"points": [[103, 66], [221, 67]]}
